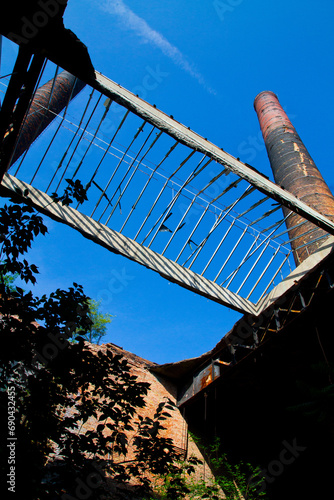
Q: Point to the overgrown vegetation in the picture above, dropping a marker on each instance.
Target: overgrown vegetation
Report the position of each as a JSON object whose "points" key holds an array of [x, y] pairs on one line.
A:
{"points": [[73, 191], [59, 385], [230, 481], [99, 321], [235, 479]]}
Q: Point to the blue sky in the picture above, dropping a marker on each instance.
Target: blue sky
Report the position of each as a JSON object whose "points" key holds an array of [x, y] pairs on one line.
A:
{"points": [[203, 62]]}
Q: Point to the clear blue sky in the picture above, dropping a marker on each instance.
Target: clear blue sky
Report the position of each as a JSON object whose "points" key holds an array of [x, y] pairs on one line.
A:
{"points": [[203, 62]]}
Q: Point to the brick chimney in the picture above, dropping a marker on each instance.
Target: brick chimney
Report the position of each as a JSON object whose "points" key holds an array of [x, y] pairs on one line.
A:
{"points": [[49, 100], [295, 171]]}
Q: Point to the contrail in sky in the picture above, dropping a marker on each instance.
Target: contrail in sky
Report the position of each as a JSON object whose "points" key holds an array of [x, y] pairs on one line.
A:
{"points": [[144, 30]]}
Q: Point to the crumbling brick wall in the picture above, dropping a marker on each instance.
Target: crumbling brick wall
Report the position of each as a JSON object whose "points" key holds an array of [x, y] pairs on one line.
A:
{"points": [[160, 390], [176, 426]]}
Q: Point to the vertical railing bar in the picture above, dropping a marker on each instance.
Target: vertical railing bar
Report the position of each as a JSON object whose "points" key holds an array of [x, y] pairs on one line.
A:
{"points": [[249, 250], [52, 88], [107, 150], [254, 265], [91, 141], [115, 171], [56, 131], [186, 212], [218, 247], [170, 205], [276, 273], [232, 275], [267, 238], [163, 188], [214, 226], [79, 140], [131, 176], [120, 125], [248, 255], [263, 273], [182, 219], [140, 195], [290, 229], [75, 134], [147, 182], [110, 143], [156, 199], [247, 192], [210, 203], [204, 212], [234, 248]]}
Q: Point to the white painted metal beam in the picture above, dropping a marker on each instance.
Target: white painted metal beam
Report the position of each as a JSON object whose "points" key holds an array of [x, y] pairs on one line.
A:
{"points": [[296, 276], [195, 141], [118, 243]]}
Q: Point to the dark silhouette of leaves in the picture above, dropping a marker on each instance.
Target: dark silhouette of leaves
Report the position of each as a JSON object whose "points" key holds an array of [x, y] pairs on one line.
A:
{"points": [[60, 385]]}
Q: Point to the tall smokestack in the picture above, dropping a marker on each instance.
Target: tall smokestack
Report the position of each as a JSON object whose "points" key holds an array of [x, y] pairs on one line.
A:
{"points": [[295, 171], [49, 101]]}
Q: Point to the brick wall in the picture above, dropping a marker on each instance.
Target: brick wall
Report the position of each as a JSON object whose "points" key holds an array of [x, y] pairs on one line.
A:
{"points": [[176, 426]]}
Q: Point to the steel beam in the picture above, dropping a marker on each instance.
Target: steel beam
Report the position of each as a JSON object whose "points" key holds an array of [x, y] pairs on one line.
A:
{"points": [[195, 141], [120, 244], [16, 102]]}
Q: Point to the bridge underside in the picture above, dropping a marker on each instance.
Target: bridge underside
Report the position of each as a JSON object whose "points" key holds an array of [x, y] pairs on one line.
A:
{"points": [[161, 195], [154, 191], [269, 388]]}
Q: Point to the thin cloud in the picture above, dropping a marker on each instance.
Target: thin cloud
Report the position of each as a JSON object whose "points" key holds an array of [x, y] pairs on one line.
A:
{"points": [[144, 30]]}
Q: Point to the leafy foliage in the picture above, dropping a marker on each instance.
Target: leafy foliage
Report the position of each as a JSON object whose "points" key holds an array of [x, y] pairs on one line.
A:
{"points": [[78, 409], [18, 227], [177, 483], [234, 479], [98, 327], [9, 279], [60, 386], [230, 481], [74, 190]]}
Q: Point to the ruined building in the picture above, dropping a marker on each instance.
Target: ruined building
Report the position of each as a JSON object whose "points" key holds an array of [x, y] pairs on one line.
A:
{"points": [[265, 389]]}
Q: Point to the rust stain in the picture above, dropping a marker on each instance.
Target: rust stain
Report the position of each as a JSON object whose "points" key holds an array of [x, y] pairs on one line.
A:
{"points": [[49, 101], [302, 156], [294, 169], [205, 381]]}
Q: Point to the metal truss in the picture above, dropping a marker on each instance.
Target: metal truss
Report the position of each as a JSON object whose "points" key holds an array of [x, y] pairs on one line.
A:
{"points": [[251, 333], [157, 192]]}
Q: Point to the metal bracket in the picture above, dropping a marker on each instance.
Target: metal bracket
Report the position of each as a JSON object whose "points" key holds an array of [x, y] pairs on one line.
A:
{"points": [[16, 102]]}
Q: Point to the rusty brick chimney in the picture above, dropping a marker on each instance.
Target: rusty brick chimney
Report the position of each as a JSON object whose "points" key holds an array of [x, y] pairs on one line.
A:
{"points": [[295, 171], [49, 101]]}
